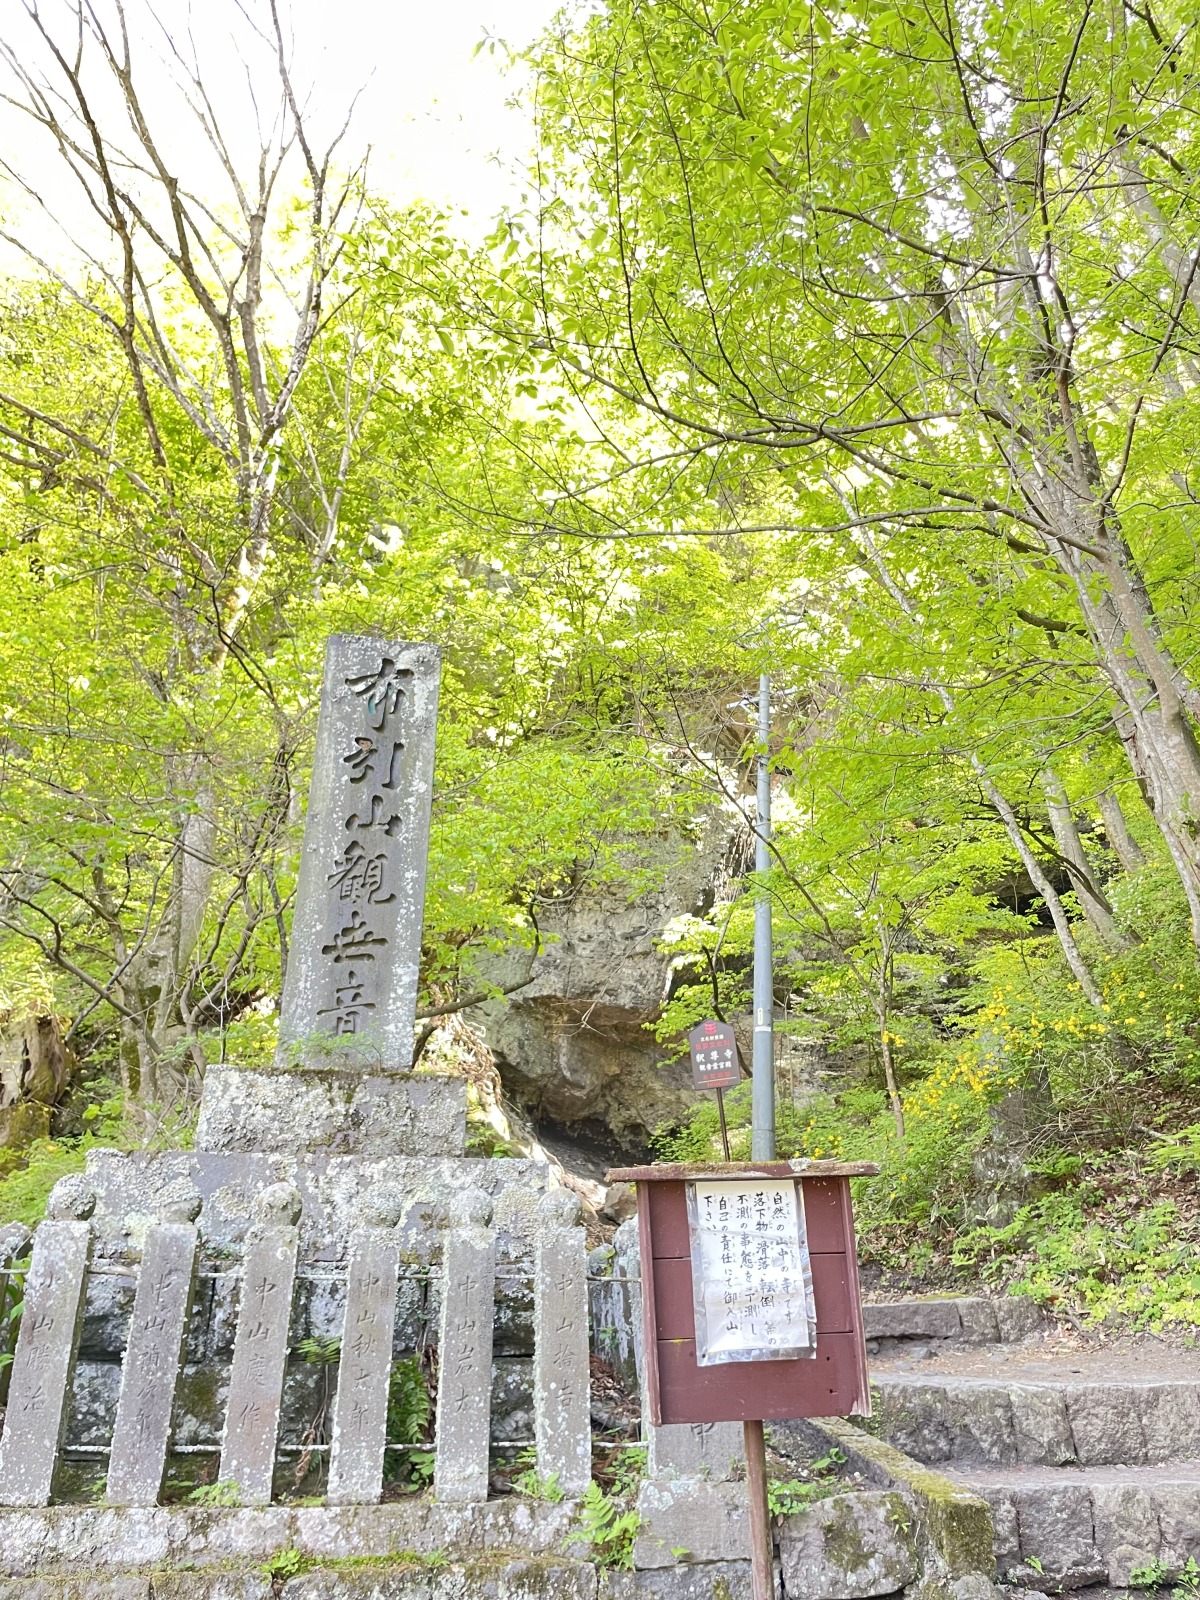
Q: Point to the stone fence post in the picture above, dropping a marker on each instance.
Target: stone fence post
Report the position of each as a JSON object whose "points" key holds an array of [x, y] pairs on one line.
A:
{"points": [[154, 1352], [464, 1400], [260, 1346], [360, 1405], [561, 1379], [46, 1346]]}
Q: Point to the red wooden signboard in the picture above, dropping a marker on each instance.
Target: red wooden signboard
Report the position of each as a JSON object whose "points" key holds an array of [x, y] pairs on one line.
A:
{"points": [[833, 1384], [714, 1056]]}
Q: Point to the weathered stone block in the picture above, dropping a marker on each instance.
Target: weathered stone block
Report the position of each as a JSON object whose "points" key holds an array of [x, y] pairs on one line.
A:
{"points": [[850, 1546], [915, 1418], [1041, 1429], [200, 1401], [1105, 1425], [512, 1400], [717, 1580], [106, 1312], [912, 1319], [688, 1520], [1123, 1514], [978, 1318], [712, 1450], [95, 1387], [1017, 1317], [536, 1527], [405, 1580], [111, 1587], [333, 1191], [1170, 1417], [338, 1112], [1123, 1561], [984, 1415], [1055, 1526], [512, 1331], [522, 1579], [1006, 1538], [252, 1585], [1178, 1508]]}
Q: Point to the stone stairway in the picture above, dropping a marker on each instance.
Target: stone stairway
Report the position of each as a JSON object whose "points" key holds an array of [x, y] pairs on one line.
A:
{"points": [[1088, 1453]]}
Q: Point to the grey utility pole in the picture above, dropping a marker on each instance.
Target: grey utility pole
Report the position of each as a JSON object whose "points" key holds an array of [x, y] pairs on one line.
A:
{"points": [[762, 1144]]}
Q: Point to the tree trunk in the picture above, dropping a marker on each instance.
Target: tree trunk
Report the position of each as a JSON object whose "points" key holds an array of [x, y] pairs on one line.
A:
{"points": [[1044, 887], [889, 1075], [1092, 899], [1116, 830]]}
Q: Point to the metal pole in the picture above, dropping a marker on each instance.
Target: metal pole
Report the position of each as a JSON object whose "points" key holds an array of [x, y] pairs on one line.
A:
{"points": [[762, 1145]]}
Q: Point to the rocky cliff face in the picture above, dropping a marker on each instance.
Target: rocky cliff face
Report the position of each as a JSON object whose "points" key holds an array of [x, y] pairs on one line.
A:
{"points": [[572, 1046]]}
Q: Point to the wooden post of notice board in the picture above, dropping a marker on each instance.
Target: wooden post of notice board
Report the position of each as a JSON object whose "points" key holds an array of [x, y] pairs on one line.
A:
{"points": [[692, 1379]]}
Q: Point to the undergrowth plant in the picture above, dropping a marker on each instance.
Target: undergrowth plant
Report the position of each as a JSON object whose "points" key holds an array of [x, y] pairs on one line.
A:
{"points": [[607, 1527]]}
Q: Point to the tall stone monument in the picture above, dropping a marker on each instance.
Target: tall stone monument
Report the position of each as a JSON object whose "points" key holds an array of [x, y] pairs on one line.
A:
{"points": [[339, 1116], [349, 999], [351, 990]]}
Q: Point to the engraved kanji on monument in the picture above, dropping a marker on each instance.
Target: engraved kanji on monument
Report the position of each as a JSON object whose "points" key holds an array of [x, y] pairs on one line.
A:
{"points": [[47, 1343], [464, 1401], [260, 1346], [350, 994], [561, 1382], [364, 1371], [154, 1352]]}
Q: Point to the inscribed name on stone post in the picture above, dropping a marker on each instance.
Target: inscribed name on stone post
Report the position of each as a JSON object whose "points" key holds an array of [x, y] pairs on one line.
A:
{"points": [[751, 1273], [350, 995], [561, 1384], [364, 1372], [44, 1359], [464, 1397], [260, 1352], [151, 1366]]}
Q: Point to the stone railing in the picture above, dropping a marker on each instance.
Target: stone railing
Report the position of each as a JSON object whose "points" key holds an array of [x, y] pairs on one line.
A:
{"points": [[149, 1427]]}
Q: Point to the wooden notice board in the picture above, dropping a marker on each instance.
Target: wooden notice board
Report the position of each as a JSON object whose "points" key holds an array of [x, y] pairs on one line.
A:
{"points": [[831, 1384]]}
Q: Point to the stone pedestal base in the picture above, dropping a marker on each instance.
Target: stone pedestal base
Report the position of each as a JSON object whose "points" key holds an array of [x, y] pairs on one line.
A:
{"points": [[334, 1111], [333, 1192]]}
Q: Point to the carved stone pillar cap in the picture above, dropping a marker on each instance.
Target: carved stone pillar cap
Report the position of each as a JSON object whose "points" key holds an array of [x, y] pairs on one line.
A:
{"points": [[559, 1208], [71, 1200], [382, 1208], [278, 1202], [471, 1209], [180, 1202], [14, 1237]]}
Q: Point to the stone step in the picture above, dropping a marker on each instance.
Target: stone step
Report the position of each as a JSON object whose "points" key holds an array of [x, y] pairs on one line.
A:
{"points": [[890, 1325], [955, 1421], [1078, 1526]]}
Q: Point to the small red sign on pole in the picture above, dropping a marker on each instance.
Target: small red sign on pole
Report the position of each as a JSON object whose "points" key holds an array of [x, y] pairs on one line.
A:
{"points": [[714, 1056]]}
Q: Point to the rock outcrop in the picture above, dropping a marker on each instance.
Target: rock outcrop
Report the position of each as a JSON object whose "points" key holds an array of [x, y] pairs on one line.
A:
{"points": [[572, 1046]]}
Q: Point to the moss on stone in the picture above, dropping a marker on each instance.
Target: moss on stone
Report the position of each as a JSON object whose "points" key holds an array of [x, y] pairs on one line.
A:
{"points": [[844, 1543], [957, 1522]]}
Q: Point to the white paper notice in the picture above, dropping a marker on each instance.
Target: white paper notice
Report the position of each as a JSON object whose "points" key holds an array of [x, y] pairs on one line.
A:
{"points": [[751, 1275]]}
